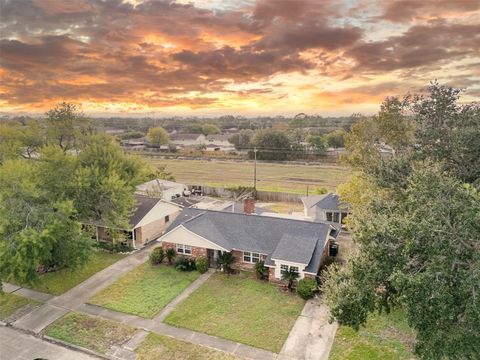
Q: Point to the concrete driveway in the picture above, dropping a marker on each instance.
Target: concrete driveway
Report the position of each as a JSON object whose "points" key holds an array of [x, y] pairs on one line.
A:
{"points": [[311, 337], [15, 345]]}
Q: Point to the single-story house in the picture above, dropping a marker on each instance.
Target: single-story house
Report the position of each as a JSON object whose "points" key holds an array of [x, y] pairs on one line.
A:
{"points": [[148, 222], [164, 189], [218, 142], [281, 243], [325, 208], [187, 140]]}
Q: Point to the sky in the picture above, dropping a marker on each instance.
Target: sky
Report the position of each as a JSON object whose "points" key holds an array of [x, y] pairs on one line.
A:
{"points": [[237, 57]]}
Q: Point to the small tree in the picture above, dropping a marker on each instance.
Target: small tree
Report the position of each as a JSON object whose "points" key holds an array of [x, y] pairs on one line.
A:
{"points": [[225, 261], [307, 288], [170, 254], [157, 256], [261, 270], [158, 136], [290, 276], [202, 264]]}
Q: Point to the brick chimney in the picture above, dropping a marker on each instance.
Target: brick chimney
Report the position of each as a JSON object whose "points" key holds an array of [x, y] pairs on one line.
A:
{"points": [[249, 205]]}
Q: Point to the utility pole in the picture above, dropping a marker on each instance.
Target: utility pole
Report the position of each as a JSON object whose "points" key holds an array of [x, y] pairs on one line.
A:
{"points": [[255, 172]]}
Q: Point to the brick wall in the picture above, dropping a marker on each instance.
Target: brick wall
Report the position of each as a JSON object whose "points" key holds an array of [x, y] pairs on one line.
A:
{"points": [[239, 264]]}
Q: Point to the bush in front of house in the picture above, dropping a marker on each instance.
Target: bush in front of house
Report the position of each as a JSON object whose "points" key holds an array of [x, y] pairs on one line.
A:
{"points": [[109, 246], [307, 288], [202, 265], [157, 256], [225, 261], [171, 254], [185, 264], [261, 270]]}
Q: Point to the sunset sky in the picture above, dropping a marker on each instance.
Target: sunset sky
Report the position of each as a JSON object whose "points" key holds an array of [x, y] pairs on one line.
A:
{"points": [[240, 57]]}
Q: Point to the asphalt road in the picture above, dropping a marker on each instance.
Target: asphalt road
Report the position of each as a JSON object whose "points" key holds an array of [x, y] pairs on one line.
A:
{"points": [[15, 345]]}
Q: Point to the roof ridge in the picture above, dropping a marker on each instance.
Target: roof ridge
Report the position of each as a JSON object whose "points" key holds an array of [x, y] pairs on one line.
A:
{"points": [[194, 217]]}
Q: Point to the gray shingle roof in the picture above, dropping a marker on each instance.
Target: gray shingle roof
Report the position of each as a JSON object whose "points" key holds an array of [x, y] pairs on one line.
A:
{"points": [[327, 202], [283, 239], [144, 205]]}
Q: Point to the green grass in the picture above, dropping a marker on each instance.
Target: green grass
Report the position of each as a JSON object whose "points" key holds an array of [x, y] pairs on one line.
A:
{"points": [[386, 337], [270, 176], [10, 303], [166, 348], [58, 282], [240, 308], [90, 332], [145, 290]]}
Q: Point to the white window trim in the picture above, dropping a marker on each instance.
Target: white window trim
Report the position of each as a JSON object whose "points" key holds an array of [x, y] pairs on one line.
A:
{"points": [[251, 257], [181, 249]]}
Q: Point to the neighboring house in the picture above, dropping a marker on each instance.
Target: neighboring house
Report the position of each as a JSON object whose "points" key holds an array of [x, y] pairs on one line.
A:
{"points": [[281, 243], [163, 189], [187, 140], [148, 222], [134, 144], [325, 208], [218, 142]]}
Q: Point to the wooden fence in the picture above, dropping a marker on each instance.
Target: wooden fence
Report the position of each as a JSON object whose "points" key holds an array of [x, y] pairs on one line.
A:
{"points": [[270, 196]]}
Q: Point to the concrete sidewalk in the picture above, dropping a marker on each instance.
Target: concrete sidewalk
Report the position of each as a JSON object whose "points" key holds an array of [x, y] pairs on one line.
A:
{"points": [[312, 336], [15, 345], [57, 306]]}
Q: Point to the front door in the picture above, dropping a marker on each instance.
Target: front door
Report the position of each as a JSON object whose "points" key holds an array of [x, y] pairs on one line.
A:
{"points": [[211, 258]]}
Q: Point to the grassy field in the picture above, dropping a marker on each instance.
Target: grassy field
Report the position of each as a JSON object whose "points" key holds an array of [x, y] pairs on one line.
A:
{"points": [[157, 347], [240, 308], [10, 303], [386, 337], [145, 290], [58, 282], [270, 176], [90, 332]]}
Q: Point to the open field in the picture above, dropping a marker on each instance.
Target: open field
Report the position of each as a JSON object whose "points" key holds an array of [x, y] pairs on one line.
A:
{"points": [[386, 337], [10, 303], [145, 290], [240, 308], [270, 176], [90, 332], [58, 282], [166, 348]]}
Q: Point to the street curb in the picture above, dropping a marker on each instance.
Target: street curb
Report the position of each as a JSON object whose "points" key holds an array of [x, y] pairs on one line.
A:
{"points": [[74, 347]]}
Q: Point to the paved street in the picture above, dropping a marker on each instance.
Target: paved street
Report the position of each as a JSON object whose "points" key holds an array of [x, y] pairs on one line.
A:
{"points": [[15, 345]]}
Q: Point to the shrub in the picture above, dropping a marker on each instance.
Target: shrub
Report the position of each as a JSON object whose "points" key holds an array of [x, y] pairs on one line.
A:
{"points": [[307, 288], [202, 265], [113, 247], [157, 256], [320, 190], [170, 254], [185, 264], [225, 261], [261, 270]]}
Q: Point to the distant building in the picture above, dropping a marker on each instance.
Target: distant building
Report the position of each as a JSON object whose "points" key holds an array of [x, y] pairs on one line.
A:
{"points": [[182, 140], [162, 189], [325, 208]]}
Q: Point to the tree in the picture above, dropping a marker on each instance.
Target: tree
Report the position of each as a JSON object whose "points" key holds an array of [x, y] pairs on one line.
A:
{"points": [[242, 140], [271, 145], [65, 126], [335, 139], [208, 129], [158, 136], [10, 142], [291, 276], [225, 261], [318, 143], [421, 253]]}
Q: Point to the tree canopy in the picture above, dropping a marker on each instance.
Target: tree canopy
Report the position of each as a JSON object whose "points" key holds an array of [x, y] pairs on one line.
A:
{"points": [[416, 221], [158, 136]]}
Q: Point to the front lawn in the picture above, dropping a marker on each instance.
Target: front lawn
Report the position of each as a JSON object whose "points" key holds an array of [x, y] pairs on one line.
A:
{"points": [[145, 290], [10, 303], [165, 348], [58, 282], [386, 337], [90, 332], [240, 308]]}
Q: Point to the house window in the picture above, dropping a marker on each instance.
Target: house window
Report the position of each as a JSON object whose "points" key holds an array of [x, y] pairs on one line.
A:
{"points": [[284, 267], [336, 217], [167, 218], [251, 257], [184, 249], [329, 216]]}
